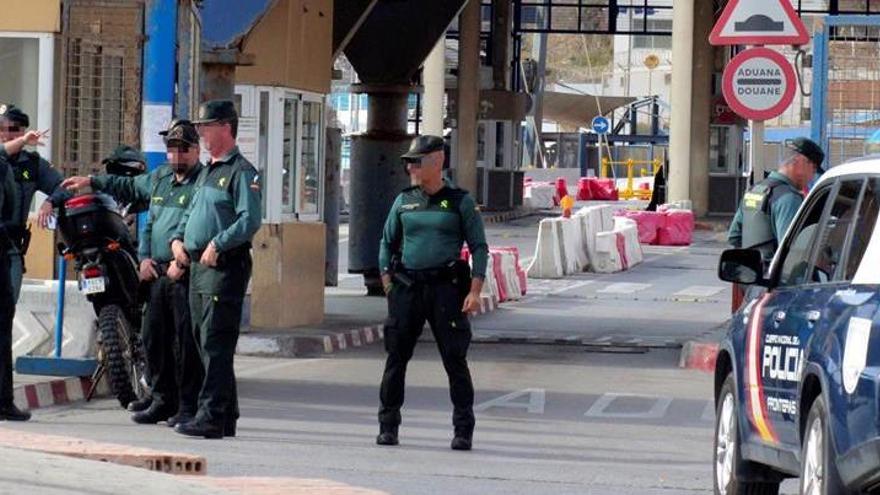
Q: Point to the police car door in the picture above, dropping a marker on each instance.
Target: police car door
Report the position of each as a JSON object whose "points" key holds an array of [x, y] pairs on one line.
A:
{"points": [[808, 311], [776, 350]]}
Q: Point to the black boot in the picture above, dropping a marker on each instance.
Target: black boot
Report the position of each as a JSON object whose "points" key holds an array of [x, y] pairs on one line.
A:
{"points": [[12, 413], [152, 415], [463, 439], [180, 417], [140, 404], [387, 435], [199, 428]]}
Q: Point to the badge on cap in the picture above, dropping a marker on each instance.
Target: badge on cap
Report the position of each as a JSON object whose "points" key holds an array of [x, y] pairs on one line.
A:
{"points": [[3, 109]]}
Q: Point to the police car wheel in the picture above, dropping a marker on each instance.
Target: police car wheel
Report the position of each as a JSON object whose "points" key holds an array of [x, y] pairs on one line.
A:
{"points": [[819, 474], [729, 463]]}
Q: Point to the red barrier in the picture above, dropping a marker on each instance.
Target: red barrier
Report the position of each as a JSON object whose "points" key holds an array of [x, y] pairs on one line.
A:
{"points": [[585, 192], [561, 190], [603, 189], [678, 230]]}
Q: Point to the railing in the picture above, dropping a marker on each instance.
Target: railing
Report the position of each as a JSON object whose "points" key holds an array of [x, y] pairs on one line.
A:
{"points": [[644, 166]]}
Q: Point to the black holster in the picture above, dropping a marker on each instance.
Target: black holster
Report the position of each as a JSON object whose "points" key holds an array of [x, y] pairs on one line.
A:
{"points": [[461, 277]]}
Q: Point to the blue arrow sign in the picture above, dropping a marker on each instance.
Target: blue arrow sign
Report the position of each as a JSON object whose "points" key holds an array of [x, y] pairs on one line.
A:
{"points": [[601, 125]]}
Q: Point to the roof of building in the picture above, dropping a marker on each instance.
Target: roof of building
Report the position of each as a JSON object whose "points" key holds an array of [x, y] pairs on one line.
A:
{"points": [[225, 23]]}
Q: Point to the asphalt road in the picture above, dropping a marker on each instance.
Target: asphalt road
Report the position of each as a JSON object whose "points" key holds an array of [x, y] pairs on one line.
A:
{"points": [[551, 420]]}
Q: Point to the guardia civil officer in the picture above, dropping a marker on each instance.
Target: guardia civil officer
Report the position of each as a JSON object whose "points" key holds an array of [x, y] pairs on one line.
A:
{"points": [[425, 280], [8, 211], [173, 361], [770, 206], [31, 174], [214, 240]]}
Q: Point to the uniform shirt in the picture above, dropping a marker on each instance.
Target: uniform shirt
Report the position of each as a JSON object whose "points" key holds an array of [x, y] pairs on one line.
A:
{"points": [[782, 212], [8, 203], [167, 198], [226, 207], [430, 230], [28, 180]]}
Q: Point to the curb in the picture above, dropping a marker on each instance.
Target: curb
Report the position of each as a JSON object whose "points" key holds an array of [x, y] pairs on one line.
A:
{"points": [[491, 218], [153, 460], [57, 392], [292, 345], [699, 356]]}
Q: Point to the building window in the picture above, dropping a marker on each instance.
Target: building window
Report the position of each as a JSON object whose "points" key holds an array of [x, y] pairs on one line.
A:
{"points": [[289, 154], [652, 42], [310, 173]]}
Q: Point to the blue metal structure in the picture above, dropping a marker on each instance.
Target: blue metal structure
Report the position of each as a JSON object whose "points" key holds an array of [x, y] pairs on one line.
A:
{"points": [[833, 122]]}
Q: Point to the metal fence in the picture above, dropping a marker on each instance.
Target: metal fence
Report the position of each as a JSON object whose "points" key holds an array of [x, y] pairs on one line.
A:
{"points": [[846, 89], [102, 58]]}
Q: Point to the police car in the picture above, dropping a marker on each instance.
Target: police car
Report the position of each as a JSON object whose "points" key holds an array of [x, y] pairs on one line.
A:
{"points": [[797, 381]]}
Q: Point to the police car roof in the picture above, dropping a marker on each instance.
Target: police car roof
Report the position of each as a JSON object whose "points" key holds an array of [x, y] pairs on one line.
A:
{"points": [[859, 166]]}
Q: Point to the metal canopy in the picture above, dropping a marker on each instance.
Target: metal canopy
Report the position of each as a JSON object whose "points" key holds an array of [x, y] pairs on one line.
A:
{"points": [[348, 15], [394, 40], [579, 110]]}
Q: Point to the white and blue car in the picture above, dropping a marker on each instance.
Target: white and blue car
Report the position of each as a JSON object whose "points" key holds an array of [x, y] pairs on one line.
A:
{"points": [[797, 380]]}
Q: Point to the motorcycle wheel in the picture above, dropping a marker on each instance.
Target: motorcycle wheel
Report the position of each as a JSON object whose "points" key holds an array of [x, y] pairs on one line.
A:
{"points": [[120, 355]]}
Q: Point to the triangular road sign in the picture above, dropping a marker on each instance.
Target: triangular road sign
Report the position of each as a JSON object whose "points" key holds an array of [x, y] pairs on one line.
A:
{"points": [[759, 22]]}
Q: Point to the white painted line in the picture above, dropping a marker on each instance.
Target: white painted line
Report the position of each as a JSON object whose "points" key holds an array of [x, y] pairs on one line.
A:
{"points": [[708, 412], [623, 288], [657, 410], [266, 368], [699, 291], [573, 286], [535, 404]]}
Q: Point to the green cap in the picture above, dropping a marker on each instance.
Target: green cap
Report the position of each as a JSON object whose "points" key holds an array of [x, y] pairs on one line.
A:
{"points": [[809, 149], [125, 154], [216, 111], [422, 146], [14, 114], [181, 130]]}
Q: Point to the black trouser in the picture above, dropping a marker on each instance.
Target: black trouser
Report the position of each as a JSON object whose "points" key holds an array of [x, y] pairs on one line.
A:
{"points": [[216, 316], [175, 368], [408, 308], [7, 313]]}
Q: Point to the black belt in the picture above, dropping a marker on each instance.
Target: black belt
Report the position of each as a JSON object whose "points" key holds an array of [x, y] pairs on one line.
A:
{"points": [[442, 275], [196, 254]]}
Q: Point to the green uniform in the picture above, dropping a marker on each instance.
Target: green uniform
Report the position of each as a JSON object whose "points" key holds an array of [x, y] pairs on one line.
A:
{"points": [[428, 233], [765, 214], [8, 210], [429, 230], [31, 173], [226, 209], [174, 364]]}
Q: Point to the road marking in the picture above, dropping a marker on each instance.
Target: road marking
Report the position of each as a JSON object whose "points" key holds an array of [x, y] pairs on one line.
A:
{"points": [[699, 291], [259, 370], [535, 404], [708, 412], [623, 288], [577, 285], [657, 410]]}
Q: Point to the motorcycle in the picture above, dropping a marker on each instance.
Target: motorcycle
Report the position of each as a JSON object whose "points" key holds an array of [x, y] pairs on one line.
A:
{"points": [[97, 239]]}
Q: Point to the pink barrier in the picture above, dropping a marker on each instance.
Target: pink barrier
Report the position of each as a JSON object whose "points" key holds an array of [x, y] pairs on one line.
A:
{"points": [[678, 230], [584, 193], [502, 289], [663, 228], [521, 274], [561, 190]]}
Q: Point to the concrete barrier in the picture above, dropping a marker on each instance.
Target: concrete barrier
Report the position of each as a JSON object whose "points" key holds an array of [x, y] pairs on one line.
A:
{"points": [[575, 256], [539, 196], [33, 330], [549, 260], [618, 249]]}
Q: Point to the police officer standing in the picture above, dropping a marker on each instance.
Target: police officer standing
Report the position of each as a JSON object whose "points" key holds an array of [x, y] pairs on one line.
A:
{"points": [[770, 206], [425, 280], [31, 174], [174, 365], [8, 210], [214, 240]]}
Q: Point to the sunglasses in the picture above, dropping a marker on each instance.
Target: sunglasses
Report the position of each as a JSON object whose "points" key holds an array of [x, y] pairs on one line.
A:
{"points": [[180, 148]]}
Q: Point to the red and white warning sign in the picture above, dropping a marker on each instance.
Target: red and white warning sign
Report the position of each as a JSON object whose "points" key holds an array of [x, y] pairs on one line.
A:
{"points": [[759, 22], [759, 84]]}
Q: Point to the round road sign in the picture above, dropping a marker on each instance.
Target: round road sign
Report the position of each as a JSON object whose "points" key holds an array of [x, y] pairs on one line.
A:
{"points": [[759, 84], [652, 61]]}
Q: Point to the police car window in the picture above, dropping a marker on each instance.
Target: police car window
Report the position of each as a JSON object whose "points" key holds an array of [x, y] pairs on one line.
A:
{"points": [[832, 234], [797, 257], [864, 228]]}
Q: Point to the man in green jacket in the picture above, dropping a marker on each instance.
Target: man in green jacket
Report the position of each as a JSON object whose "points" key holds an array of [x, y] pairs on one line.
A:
{"points": [[174, 366], [8, 211], [419, 259], [214, 239], [31, 174]]}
